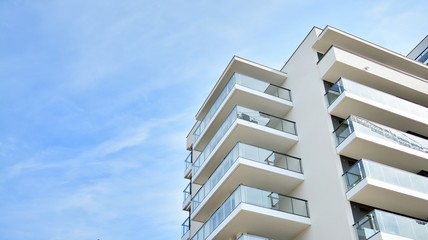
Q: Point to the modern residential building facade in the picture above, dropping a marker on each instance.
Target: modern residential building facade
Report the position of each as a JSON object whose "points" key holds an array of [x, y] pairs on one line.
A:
{"points": [[332, 146]]}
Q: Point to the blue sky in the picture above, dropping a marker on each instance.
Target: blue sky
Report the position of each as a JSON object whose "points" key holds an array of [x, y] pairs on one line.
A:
{"points": [[97, 97]]}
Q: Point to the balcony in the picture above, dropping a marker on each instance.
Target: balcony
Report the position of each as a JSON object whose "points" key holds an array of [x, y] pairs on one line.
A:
{"points": [[186, 198], [275, 171], [260, 212], [251, 237], [247, 68], [347, 97], [359, 138], [245, 90], [188, 166], [380, 225], [243, 124], [389, 188], [338, 63], [185, 229]]}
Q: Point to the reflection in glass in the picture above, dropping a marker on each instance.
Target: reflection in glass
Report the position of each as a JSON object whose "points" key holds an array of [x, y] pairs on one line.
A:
{"points": [[381, 221], [249, 115], [249, 152], [256, 197], [242, 80]]}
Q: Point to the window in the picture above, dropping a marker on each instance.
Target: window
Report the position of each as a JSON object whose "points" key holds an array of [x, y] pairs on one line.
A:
{"points": [[423, 57]]}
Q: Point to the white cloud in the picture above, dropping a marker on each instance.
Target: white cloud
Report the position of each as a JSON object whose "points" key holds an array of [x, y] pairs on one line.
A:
{"points": [[109, 184]]}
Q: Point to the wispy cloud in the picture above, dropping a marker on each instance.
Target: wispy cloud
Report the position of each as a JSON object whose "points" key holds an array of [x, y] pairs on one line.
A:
{"points": [[108, 183]]}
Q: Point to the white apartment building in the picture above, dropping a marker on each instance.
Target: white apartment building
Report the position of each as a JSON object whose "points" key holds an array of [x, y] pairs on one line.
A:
{"points": [[334, 146]]}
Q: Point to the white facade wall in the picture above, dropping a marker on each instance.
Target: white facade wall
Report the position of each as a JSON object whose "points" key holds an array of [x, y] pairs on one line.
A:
{"points": [[323, 186]]}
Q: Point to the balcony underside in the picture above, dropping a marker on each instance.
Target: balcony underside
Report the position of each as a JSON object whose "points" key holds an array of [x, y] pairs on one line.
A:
{"points": [[262, 222], [348, 103], [242, 172], [340, 63], [249, 98], [362, 146], [334, 37], [389, 197], [247, 132]]}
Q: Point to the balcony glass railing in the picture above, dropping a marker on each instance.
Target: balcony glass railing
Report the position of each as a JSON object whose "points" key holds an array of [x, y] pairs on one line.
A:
{"points": [[365, 168], [369, 94], [251, 237], [185, 227], [380, 221], [249, 115], [188, 161], [334, 92], [240, 79], [256, 197], [186, 192], [354, 123], [249, 152]]}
